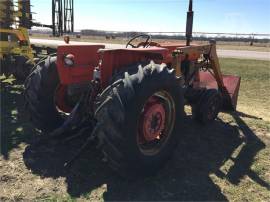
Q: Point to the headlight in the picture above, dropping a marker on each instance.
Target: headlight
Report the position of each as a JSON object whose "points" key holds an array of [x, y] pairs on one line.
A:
{"points": [[69, 60]]}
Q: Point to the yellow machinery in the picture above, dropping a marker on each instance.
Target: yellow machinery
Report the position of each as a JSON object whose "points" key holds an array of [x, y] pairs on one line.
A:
{"points": [[15, 51]]}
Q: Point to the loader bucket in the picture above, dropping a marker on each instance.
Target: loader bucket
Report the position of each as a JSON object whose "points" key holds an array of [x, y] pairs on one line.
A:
{"points": [[231, 83]]}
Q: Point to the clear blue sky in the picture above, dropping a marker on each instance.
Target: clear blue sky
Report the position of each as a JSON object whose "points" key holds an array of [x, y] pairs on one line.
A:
{"points": [[236, 16]]}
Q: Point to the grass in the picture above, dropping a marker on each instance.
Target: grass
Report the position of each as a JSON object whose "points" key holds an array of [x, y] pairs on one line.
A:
{"points": [[227, 160], [241, 46], [255, 84]]}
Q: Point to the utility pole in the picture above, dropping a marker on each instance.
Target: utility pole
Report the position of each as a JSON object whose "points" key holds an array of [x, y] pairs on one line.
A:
{"points": [[62, 17], [68, 16], [57, 17]]}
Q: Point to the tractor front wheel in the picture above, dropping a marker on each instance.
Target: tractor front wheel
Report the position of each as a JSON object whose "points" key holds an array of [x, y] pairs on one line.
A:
{"points": [[208, 106], [139, 118]]}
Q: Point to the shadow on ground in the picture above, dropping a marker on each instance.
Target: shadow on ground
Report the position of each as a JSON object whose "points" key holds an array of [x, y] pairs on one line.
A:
{"points": [[201, 152], [15, 126]]}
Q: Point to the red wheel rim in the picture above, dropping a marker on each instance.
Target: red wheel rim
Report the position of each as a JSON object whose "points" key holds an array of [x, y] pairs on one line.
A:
{"points": [[153, 120], [156, 122]]}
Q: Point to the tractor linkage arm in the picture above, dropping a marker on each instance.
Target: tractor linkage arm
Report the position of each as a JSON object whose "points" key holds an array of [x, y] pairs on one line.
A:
{"points": [[208, 62]]}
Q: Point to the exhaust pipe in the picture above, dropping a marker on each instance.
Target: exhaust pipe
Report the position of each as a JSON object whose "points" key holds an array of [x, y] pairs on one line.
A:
{"points": [[189, 23]]}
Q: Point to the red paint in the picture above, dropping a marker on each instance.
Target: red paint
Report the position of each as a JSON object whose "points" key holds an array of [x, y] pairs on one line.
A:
{"points": [[152, 121], [115, 60], [231, 83], [85, 57], [111, 61]]}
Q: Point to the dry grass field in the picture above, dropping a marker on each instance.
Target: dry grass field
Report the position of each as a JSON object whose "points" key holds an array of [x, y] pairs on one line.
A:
{"points": [[227, 160]]}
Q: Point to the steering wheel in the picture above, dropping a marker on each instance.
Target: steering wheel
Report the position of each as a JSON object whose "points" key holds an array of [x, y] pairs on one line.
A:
{"points": [[143, 44]]}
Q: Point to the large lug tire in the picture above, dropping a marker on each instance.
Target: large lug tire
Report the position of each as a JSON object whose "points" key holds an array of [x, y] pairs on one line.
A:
{"points": [[39, 94], [208, 106], [122, 111]]}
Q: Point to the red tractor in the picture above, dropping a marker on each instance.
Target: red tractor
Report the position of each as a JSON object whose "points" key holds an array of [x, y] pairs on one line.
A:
{"points": [[133, 96]]}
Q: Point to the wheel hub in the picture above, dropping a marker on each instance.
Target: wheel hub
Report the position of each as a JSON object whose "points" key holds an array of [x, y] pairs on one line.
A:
{"points": [[153, 120], [156, 123]]}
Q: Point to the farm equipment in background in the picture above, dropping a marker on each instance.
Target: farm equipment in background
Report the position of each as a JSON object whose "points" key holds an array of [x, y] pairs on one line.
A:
{"points": [[15, 50], [16, 55], [131, 99]]}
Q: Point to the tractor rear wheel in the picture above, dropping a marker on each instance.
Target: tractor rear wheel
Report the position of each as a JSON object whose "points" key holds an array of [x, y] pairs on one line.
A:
{"points": [[207, 108], [40, 89], [139, 118]]}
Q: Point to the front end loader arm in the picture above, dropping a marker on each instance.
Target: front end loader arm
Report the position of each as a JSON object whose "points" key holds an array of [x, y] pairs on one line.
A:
{"points": [[229, 101], [228, 85]]}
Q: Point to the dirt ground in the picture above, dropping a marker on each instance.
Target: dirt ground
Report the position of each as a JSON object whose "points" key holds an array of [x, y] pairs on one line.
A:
{"points": [[226, 160]]}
